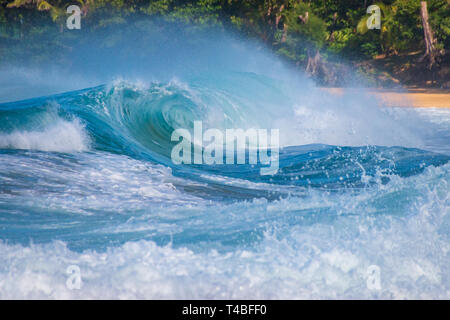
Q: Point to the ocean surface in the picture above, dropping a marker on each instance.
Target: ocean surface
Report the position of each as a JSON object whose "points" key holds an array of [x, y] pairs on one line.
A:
{"points": [[86, 180]]}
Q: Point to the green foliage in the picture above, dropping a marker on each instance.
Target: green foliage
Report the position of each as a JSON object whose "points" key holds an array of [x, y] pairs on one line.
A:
{"points": [[369, 49], [332, 26], [314, 30], [440, 21], [402, 26]]}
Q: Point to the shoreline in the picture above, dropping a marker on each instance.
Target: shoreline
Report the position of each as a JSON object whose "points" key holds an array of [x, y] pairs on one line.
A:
{"points": [[406, 98]]}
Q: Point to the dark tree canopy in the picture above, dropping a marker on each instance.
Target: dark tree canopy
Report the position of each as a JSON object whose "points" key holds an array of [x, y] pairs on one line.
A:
{"points": [[299, 31]]}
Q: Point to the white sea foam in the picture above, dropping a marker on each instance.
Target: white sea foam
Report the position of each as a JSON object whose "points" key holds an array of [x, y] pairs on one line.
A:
{"points": [[62, 136], [319, 260], [347, 120]]}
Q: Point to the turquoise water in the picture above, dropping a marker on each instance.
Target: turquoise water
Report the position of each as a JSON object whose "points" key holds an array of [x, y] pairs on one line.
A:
{"points": [[86, 179]]}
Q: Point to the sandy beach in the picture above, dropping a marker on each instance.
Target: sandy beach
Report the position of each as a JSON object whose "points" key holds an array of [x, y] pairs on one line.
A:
{"points": [[418, 98]]}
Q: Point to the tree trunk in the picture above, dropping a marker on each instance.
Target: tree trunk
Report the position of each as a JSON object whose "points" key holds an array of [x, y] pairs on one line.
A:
{"points": [[304, 19], [285, 29], [313, 63], [333, 26], [278, 17], [270, 20], [430, 51]]}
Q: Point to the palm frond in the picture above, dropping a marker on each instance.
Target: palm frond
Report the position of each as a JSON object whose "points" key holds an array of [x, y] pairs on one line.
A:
{"points": [[44, 6], [362, 25], [18, 3]]}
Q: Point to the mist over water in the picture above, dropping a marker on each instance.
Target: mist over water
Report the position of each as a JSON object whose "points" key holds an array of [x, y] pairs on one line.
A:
{"points": [[86, 178]]}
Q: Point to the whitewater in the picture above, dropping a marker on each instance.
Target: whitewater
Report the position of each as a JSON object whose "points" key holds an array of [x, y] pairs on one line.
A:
{"points": [[86, 180]]}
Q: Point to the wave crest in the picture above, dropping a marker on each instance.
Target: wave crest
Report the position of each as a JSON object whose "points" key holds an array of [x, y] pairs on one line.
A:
{"points": [[62, 136]]}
